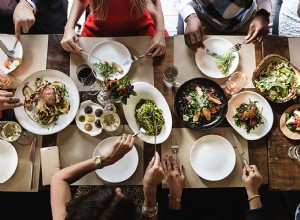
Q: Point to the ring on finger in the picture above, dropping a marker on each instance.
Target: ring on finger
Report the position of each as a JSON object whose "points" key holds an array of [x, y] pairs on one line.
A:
{"points": [[252, 169], [10, 99]]}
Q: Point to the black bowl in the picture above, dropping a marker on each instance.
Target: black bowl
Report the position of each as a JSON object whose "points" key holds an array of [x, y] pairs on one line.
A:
{"points": [[207, 83]]}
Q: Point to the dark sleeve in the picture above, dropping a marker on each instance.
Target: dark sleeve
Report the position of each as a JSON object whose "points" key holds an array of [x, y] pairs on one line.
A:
{"points": [[255, 214], [174, 214]]}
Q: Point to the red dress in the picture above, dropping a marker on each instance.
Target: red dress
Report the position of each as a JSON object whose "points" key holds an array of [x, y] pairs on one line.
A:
{"points": [[119, 22]]}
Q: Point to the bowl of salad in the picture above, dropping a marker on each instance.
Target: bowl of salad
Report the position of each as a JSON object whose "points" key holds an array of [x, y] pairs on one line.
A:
{"points": [[276, 78], [290, 122], [200, 103]]}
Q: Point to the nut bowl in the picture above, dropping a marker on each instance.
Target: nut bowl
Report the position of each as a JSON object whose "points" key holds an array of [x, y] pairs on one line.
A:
{"points": [[276, 78]]}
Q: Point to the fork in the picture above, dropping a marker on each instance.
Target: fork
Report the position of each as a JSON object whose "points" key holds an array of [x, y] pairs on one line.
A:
{"points": [[10, 53], [32, 108], [132, 59], [236, 47], [174, 147]]}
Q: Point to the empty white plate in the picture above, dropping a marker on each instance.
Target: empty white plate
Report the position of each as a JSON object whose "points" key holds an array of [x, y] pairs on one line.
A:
{"points": [[8, 160], [122, 169], [212, 157]]}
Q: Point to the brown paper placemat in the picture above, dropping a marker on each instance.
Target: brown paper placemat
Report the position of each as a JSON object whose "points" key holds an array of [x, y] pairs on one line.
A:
{"points": [[20, 181], [35, 48], [294, 48], [76, 146], [140, 71], [186, 138], [184, 60]]}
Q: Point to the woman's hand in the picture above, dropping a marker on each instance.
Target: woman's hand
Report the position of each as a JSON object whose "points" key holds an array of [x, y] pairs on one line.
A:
{"points": [[7, 101], [252, 179], [158, 44], [70, 41]]}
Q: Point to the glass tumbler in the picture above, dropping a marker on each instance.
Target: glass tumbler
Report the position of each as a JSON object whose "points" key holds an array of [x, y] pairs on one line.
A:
{"points": [[10, 130], [294, 152], [169, 76], [111, 123], [235, 83]]}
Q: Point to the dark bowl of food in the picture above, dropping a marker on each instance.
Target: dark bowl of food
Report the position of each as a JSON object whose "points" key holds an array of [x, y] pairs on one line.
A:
{"points": [[200, 103], [276, 78]]}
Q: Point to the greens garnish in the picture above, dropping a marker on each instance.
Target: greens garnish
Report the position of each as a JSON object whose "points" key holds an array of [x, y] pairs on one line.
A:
{"points": [[107, 69], [224, 63]]}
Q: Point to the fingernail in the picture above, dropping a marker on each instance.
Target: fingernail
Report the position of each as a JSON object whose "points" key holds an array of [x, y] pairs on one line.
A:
{"points": [[171, 157]]}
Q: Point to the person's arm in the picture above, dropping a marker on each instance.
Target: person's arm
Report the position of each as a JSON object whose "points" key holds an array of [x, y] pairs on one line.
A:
{"points": [[60, 189], [70, 39], [8, 101], [153, 176], [158, 43]]}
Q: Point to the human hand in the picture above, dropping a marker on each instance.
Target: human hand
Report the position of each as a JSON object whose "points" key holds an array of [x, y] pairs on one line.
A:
{"points": [[193, 34], [174, 176], [122, 146], [252, 179], [258, 29], [23, 18], [7, 101], [70, 41], [158, 44]]}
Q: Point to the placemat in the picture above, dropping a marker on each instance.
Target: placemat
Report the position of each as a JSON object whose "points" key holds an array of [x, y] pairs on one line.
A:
{"points": [[20, 181], [140, 71], [35, 48], [294, 48], [76, 146], [184, 60], [186, 138]]}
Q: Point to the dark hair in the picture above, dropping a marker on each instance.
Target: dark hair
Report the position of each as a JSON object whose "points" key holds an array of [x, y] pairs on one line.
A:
{"points": [[101, 204]]}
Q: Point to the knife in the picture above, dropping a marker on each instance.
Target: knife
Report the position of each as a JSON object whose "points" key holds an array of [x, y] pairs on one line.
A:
{"points": [[31, 159], [3, 47], [239, 147], [213, 54]]}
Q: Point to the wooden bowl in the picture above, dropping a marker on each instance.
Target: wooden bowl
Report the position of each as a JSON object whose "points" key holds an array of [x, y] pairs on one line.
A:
{"points": [[284, 129], [263, 65]]}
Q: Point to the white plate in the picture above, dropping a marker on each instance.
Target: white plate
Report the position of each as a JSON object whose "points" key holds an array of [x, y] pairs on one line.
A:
{"points": [[212, 157], [147, 91], [267, 113], [9, 42], [8, 160], [110, 51], [207, 64], [122, 169], [63, 120], [95, 131]]}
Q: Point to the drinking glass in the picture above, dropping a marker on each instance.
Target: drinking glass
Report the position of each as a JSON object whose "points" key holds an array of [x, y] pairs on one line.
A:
{"points": [[10, 130], [169, 76], [87, 76], [25, 138], [235, 83], [111, 123], [294, 152]]}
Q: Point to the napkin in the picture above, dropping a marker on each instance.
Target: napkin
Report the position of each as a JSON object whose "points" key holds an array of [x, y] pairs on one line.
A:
{"points": [[50, 163], [294, 48]]}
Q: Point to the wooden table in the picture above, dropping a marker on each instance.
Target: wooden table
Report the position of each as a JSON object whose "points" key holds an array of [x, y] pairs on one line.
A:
{"points": [[268, 153]]}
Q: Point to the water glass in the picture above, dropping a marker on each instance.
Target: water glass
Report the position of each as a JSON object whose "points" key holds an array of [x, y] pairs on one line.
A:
{"points": [[10, 130], [294, 152], [87, 76], [235, 83], [111, 123], [169, 76]]}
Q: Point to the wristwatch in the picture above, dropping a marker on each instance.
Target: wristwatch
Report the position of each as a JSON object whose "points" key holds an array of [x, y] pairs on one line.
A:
{"points": [[98, 161]]}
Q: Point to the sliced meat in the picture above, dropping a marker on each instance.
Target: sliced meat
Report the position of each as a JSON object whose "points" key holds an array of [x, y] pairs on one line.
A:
{"points": [[48, 96]]}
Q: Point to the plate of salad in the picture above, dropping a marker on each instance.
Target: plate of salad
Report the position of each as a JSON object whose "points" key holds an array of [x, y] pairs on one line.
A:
{"points": [[290, 122], [250, 115], [217, 68], [112, 55], [200, 103]]}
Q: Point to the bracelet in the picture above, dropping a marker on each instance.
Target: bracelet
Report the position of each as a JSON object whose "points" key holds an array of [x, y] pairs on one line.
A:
{"points": [[150, 212], [149, 215], [172, 197], [252, 197]]}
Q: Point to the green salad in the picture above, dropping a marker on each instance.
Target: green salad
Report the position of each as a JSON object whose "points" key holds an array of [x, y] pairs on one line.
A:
{"points": [[149, 117], [224, 64], [276, 80], [107, 69]]}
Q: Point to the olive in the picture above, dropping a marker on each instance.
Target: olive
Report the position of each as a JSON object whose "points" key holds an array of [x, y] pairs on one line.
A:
{"points": [[98, 112], [90, 118], [88, 127], [81, 118], [88, 109], [98, 123]]}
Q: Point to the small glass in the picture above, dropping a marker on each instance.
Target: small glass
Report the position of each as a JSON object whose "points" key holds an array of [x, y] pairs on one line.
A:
{"points": [[111, 123], [8, 81], [25, 138], [235, 83], [169, 76], [10, 130], [294, 152], [87, 76]]}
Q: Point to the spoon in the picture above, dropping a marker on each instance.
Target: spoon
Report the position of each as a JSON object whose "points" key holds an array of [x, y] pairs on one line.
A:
{"points": [[142, 130]]}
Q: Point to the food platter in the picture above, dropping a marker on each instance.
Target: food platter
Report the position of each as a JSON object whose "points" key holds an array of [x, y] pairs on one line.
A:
{"points": [[148, 92], [9, 41], [120, 171], [287, 132], [212, 157], [8, 160], [65, 119], [181, 102], [207, 64], [110, 51], [267, 114]]}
